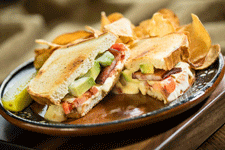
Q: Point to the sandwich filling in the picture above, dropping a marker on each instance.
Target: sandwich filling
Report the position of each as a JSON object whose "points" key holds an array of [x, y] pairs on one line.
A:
{"points": [[161, 84], [97, 80]]}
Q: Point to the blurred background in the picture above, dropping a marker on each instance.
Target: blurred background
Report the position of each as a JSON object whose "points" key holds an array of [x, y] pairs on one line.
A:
{"points": [[21, 22]]}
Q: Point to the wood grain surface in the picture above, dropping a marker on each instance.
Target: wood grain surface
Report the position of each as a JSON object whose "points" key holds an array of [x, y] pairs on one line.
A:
{"points": [[215, 141]]}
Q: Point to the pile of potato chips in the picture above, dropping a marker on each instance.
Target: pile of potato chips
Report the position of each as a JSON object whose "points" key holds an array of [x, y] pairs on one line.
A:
{"points": [[201, 53]]}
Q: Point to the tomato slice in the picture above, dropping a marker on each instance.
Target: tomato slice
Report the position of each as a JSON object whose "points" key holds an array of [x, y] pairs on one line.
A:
{"points": [[93, 90], [119, 46], [170, 85], [67, 107]]}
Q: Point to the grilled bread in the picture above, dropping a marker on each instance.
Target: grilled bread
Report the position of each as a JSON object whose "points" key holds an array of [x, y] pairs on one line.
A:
{"points": [[73, 80], [162, 52], [156, 68], [65, 65]]}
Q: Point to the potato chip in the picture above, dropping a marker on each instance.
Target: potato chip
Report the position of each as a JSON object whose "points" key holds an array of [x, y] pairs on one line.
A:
{"points": [[41, 55], [94, 31], [160, 26], [139, 33], [171, 16], [114, 17], [199, 40], [119, 40], [67, 38], [142, 30], [157, 26], [211, 57], [104, 21], [121, 27], [62, 41], [126, 40], [43, 42]]}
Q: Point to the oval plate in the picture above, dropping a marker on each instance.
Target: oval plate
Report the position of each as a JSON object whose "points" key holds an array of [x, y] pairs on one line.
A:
{"points": [[115, 112]]}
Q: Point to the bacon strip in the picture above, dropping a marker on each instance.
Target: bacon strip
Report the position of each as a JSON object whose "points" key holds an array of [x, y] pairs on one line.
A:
{"points": [[149, 76], [172, 71], [105, 73], [156, 76]]}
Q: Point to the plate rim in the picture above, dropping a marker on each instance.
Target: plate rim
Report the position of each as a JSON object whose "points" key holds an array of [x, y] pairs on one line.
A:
{"points": [[30, 124]]}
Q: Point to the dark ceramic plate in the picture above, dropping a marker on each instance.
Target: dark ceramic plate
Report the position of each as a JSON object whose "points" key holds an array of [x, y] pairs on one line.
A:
{"points": [[115, 112]]}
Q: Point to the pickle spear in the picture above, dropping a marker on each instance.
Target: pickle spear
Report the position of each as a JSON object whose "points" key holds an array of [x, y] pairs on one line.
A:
{"points": [[17, 97]]}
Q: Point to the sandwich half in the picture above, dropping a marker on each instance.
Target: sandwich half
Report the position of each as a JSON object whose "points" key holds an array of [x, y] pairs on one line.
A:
{"points": [[73, 80], [156, 68]]}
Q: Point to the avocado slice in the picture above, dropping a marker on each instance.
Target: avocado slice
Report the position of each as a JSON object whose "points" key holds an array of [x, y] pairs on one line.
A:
{"points": [[105, 59], [80, 86], [147, 68], [94, 71], [127, 74]]}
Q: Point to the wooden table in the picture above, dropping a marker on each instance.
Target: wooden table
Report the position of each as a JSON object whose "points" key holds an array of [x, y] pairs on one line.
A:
{"points": [[201, 127]]}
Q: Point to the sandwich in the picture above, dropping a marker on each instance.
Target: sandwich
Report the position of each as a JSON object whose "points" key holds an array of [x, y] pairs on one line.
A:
{"points": [[156, 67], [74, 79]]}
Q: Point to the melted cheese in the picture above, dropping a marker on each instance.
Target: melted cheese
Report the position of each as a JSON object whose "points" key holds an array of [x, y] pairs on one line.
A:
{"points": [[181, 79]]}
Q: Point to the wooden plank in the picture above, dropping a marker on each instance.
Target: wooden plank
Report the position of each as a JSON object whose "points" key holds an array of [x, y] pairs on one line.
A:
{"points": [[199, 128], [216, 141]]}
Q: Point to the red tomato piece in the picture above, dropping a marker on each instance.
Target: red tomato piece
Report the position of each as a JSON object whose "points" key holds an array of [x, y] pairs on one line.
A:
{"points": [[67, 107], [119, 46], [93, 90], [170, 85]]}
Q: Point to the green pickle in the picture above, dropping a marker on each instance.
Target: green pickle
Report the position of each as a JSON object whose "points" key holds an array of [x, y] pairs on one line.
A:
{"points": [[17, 98], [21, 101]]}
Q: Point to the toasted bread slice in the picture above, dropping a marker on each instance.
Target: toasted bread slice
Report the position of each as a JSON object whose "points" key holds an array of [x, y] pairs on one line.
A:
{"points": [[65, 65], [162, 52]]}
